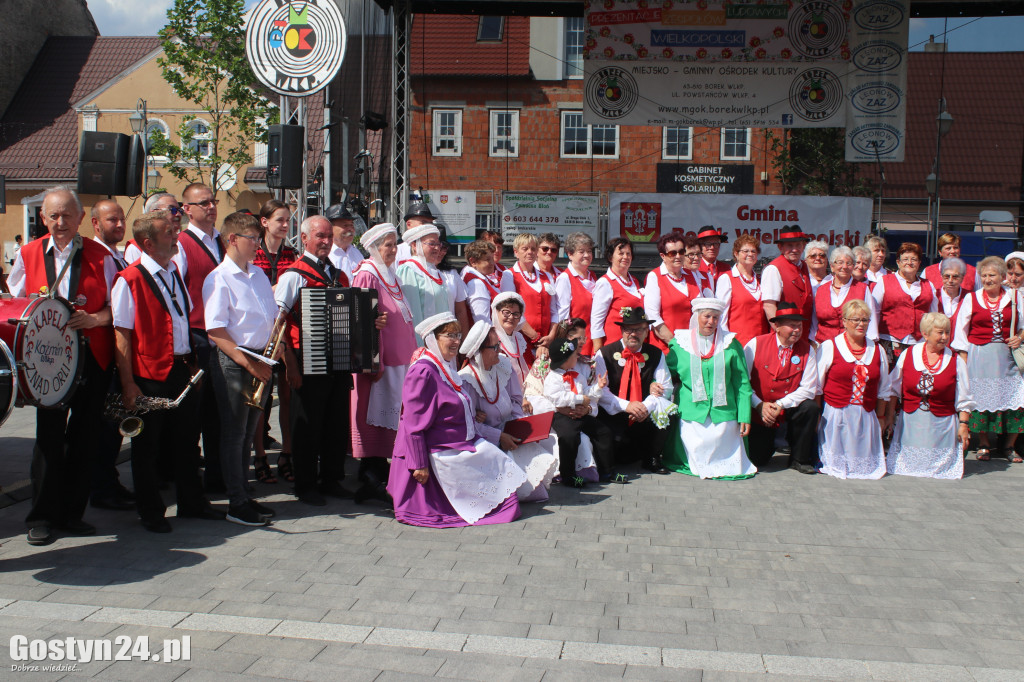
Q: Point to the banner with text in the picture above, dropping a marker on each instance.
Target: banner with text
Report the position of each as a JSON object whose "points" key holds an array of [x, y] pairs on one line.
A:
{"points": [[560, 214], [645, 217], [456, 210], [810, 64]]}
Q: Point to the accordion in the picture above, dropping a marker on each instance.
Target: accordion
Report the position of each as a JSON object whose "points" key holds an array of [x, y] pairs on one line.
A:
{"points": [[338, 331]]}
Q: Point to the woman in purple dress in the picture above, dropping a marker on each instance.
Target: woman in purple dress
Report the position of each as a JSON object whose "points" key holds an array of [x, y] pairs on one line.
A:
{"points": [[443, 474], [377, 399]]}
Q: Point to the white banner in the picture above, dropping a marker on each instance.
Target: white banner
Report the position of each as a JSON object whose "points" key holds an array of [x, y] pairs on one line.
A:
{"points": [[560, 214], [645, 217], [456, 210]]}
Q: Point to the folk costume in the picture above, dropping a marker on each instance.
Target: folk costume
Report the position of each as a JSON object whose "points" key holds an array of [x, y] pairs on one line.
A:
{"points": [[827, 322], [612, 294], [481, 290], [782, 280], [667, 299], [513, 346], [538, 293], [423, 285], [576, 299], [743, 314]]}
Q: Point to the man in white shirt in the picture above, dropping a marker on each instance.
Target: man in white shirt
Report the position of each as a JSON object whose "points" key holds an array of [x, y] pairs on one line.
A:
{"points": [[240, 313], [344, 255], [784, 381]]}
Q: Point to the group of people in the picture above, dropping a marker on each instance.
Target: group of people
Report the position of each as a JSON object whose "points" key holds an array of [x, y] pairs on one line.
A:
{"points": [[701, 370]]}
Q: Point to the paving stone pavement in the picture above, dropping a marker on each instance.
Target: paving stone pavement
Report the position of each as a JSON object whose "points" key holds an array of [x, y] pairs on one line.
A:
{"points": [[783, 577]]}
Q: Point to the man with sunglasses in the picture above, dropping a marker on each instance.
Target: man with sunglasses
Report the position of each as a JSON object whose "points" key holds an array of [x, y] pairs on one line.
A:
{"points": [[204, 250], [160, 202]]}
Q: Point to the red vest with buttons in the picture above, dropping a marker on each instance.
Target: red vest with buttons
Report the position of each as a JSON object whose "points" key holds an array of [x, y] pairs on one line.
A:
{"points": [[769, 379], [746, 315], [153, 335], [538, 303], [675, 305], [838, 388], [796, 286], [830, 317], [979, 330], [942, 399], [200, 264], [92, 283], [932, 274], [313, 279], [580, 305], [901, 315], [621, 298]]}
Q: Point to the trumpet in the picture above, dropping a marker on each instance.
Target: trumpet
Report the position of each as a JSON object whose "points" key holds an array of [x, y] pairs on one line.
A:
{"points": [[254, 397], [130, 424]]}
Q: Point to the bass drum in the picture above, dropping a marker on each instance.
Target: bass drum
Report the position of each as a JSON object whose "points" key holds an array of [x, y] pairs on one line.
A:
{"points": [[48, 355], [8, 382]]}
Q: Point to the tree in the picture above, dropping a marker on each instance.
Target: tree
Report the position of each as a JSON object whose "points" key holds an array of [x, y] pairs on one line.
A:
{"points": [[204, 62], [813, 161]]}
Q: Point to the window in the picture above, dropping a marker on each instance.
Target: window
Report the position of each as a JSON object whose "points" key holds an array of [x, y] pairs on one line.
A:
{"points": [[735, 144], [199, 131], [490, 29], [155, 126], [676, 144], [575, 36], [447, 132], [504, 136], [583, 141]]}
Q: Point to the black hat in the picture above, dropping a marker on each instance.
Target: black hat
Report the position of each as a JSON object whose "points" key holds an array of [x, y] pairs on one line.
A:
{"points": [[786, 311], [418, 209], [560, 350], [634, 315], [792, 233], [338, 212]]}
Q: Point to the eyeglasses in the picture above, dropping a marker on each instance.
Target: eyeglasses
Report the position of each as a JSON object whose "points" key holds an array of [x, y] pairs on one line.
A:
{"points": [[749, 252], [952, 275], [858, 321], [549, 249], [816, 255], [431, 244], [511, 313], [443, 246], [673, 254], [205, 203], [175, 211], [496, 347], [251, 237], [452, 336], [635, 331], [692, 256]]}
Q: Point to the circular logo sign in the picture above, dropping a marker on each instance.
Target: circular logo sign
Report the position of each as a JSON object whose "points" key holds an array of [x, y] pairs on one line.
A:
{"points": [[875, 139], [816, 94], [295, 48], [878, 56], [612, 92], [817, 29], [876, 98], [880, 15], [49, 351]]}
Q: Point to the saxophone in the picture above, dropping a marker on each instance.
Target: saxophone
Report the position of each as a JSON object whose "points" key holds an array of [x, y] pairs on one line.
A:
{"points": [[129, 422], [254, 397]]}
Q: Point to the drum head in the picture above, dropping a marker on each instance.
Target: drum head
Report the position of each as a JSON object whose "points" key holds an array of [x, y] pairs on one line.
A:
{"points": [[8, 382], [49, 353]]}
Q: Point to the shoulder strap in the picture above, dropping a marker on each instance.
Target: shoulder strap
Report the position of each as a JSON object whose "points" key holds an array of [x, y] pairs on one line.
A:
{"points": [[197, 240]]}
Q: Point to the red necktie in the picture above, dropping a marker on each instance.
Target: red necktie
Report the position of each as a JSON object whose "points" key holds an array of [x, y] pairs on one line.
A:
{"points": [[784, 355], [570, 378], [630, 387]]}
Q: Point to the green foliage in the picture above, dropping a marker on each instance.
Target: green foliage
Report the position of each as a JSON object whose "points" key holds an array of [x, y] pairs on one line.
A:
{"points": [[813, 161], [204, 62]]}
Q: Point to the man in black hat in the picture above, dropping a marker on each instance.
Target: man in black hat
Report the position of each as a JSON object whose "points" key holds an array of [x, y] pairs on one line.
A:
{"points": [[787, 278], [637, 377], [711, 239], [784, 379], [344, 256], [418, 214]]}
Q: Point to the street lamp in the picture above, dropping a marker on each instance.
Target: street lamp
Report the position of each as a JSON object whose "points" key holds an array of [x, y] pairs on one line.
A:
{"points": [[933, 183], [139, 123]]}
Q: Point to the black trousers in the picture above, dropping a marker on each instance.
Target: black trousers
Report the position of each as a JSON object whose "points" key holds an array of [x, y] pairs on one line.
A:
{"points": [[65, 451], [320, 430], [108, 446], [801, 433], [209, 411], [568, 431], [168, 435], [643, 441]]}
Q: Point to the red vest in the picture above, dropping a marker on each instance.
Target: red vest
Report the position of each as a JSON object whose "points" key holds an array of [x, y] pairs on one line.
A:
{"points": [[714, 270], [313, 279], [491, 289], [796, 286], [153, 336], [580, 305], [675, 305], [979, 330], [900, 315], [768, 378], [746, 316], [932, 274], [92, 284], [830, 317], [942, 399], [838, 388], [538, 303], [200, 264], [620, 298]]}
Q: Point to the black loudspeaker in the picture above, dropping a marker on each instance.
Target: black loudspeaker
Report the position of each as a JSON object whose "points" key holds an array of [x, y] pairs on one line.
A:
{"points": [[286, 145], [136, 167], [102, 162]]}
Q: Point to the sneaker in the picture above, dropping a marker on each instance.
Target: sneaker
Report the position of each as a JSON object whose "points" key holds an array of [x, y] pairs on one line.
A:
{"points": [[262, 509], [245, 515]]}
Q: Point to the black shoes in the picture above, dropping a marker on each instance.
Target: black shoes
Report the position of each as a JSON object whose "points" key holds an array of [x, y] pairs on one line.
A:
{"points": [[655, 466], [207, 513], [40, 535], [262, 509], [246, 515], [160, 525], [311, 497], [802, 468]]}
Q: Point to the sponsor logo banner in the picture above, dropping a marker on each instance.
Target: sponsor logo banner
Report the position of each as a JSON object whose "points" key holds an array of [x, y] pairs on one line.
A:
{"points": [[456, 210], [561, 214]]}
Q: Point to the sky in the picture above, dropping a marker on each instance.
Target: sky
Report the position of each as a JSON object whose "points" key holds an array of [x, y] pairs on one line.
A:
{"points": [[986, 34]]}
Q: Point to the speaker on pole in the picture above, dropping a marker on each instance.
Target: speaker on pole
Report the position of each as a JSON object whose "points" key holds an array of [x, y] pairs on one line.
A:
{"points": [[286, 146], [136, 167], [102, 163]]}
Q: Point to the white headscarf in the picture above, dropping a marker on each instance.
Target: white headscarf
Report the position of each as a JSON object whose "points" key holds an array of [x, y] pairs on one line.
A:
{"points": [[426, 331], [509, 341], [375, 265], [695, 344], [490, 380]]}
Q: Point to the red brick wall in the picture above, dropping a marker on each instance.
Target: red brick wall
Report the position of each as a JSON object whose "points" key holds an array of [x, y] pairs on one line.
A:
{"points": [[539, 166]]}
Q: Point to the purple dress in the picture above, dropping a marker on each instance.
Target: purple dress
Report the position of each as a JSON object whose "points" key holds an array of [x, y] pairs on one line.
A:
{"points": [[433, 420]]}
